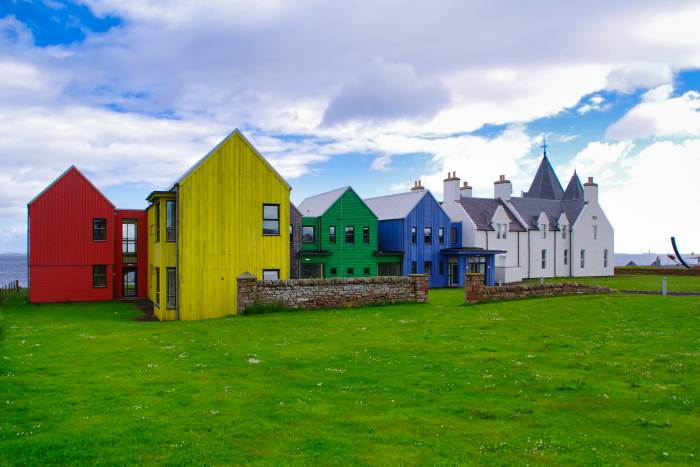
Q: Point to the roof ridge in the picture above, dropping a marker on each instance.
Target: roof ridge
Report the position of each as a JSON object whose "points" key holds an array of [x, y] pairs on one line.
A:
{"points": [[422, 192], [325, 193]]}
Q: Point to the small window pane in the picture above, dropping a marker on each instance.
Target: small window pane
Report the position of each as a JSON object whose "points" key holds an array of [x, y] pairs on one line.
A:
{"points": [[308, 234], [331, 234], [170, 221], [99, 276], [428, 267], [271, 212], [271, 274], [365, 234], [99, 229], [271, 219], [171, 288], [351, 271]]}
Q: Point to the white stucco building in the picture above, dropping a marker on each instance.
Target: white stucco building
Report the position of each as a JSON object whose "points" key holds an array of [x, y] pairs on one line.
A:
{"points": [[547, 232]]}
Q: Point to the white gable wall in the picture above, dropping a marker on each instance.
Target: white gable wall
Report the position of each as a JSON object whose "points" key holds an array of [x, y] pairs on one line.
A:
{"points": [[582, 238], [508, 268]]}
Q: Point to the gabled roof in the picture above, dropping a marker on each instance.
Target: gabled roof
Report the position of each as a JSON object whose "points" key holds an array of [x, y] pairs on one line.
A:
{"points": [[396, 206], [315, 206], [70, 169], [545, 185], [235, 132], [574, 190], [481, 211], [530, 210]]}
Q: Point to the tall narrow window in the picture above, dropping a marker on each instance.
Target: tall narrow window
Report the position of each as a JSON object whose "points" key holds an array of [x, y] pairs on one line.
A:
{"points": [[563, 231], [308, 234], [498, 231], [158, 222], [441, 235], [291, 233], [158, 286], [428, 235], [365, 234], [505, 230], [99, 276], [171, 288], [349, 234], [605, 258], [543, 227], [428, 267], [331, 234], [414, 267], [170, 221], [414, 235], [271, 219], [566, 257], [129, 229], [583, 259], [544, 259], [441, 267], [99, 230], [595, 232], [453, 234]]}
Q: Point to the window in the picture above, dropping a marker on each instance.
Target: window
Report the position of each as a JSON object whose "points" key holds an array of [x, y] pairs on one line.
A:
{"points": [[99, 276], [365, 234], [414, 267], [414, 235], [349, 234], [151, 270], [99, 230], [563, 232], [157, 222], [504, 231], [453, 234], [544, 259], [308, 234], [428, 235], [271, 274], [583, 259], [129, 240], [291, 233], [428, 267], [170, 221], [366, 271], [441, 235], [334, 271], [543, 227], [498, 230], [331, 234], [351, 271], [566, 257], [441, 267], [595, 232], [271, 219], [389, 269], [605, 258], [170, 288], [157, 286]]}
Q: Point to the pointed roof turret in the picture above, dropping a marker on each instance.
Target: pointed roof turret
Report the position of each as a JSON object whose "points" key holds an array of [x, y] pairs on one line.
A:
{"points": [[545, 185], [574, 190]]}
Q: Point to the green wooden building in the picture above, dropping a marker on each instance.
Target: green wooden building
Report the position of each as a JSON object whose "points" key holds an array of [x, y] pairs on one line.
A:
{"points": [[339, 237]]}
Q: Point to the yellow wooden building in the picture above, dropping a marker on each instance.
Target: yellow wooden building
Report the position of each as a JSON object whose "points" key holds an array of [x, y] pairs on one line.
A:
{"points": [[227, 215]]}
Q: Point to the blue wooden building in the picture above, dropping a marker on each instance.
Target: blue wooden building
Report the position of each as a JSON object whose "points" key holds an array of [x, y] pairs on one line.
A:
{"points": [[415, 225]]}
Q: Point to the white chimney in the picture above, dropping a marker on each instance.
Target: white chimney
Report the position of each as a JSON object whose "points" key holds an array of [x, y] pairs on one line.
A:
{"points": [[450, 187], [502, 188], [465, 191], [590, 191], [417, 186]]}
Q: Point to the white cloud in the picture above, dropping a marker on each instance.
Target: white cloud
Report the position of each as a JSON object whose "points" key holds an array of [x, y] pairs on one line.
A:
{"points": [[659, 114], [595, 102], [630, 78], [604, 161]]}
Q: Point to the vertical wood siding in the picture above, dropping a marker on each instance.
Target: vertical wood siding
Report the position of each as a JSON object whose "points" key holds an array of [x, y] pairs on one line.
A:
{"points": [[348, 210], [61, 249], [220, 228], [160, 255]]}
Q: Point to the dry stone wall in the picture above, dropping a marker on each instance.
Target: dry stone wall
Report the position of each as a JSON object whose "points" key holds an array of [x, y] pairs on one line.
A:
{"points": [[475, 291], [331, 293]]}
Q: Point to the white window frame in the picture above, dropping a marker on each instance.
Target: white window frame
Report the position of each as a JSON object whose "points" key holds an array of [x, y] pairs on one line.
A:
{"points": [[271, 274]]}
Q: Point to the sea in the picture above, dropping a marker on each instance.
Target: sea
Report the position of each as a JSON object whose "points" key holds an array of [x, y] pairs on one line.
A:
{"points": [[13, 267]]}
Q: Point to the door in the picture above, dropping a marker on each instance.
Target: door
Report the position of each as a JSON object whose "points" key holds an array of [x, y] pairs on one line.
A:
{"points": [[129, 282], [453, 274]]}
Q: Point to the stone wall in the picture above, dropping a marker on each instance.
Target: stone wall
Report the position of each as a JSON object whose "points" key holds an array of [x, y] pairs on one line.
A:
{"points": [[670, 271], [331, 293], [475, 291]]}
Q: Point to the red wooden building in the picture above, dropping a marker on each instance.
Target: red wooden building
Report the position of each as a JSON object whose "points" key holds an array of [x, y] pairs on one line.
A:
{"points": [[81, 248]]}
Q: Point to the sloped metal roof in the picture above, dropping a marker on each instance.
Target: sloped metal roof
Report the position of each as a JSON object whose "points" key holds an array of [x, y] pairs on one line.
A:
{"points": [[317, 205], [395, 206], [574, 190]]}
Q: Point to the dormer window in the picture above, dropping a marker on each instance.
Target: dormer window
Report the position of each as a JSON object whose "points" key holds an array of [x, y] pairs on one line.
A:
{"points": [[502, 231]]}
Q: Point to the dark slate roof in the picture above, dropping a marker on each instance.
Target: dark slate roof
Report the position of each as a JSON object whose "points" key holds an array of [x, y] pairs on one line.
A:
{"points": [[530, 209], [545, 185], [574, 190], [481, 211]]}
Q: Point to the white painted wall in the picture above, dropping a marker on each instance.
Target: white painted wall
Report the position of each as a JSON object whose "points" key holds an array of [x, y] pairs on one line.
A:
{"points": [[583, 239]]}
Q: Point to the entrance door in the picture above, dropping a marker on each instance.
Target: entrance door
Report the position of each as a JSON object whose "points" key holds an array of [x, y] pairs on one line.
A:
{"points": [[453, 274], [129, 282]]}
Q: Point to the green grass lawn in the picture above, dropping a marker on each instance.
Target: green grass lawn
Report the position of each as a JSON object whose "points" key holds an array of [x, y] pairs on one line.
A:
{"points": [[636, 282], [580, 379]]}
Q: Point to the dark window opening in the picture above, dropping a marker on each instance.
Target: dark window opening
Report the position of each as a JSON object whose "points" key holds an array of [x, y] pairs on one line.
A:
{"points": [[334, 271], [271, 219], [441, 267], [331, 234], [170, 220], [441, 235], [428, 235], [158, 286], [291, 233], [99, 276], [351, 271], [414, 267], [389, 269], [428, 267], [99, 230], [349, 234], [158, 222], [308, 234], [171, 288], [414, 235], [365, 234], [366, 271], [453, 234]]}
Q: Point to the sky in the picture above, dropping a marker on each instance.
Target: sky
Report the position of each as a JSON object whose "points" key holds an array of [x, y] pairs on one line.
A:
{"points": [[369, 94]]}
